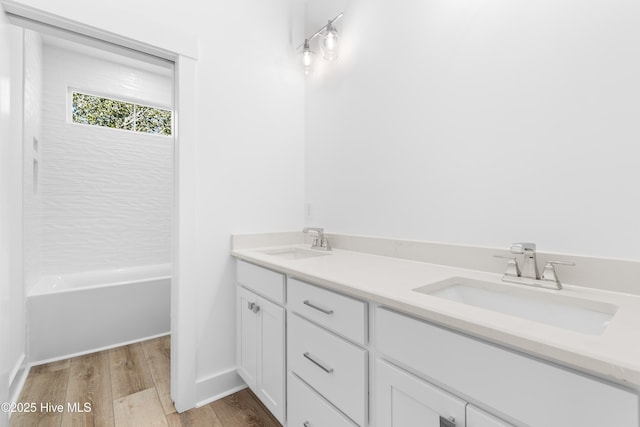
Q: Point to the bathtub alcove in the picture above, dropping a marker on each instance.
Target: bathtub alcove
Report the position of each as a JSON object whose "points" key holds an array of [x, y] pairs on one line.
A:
{"points": [[80, 313]]}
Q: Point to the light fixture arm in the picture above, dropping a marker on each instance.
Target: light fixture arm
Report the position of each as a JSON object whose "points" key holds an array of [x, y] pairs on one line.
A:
{"points": [[317, 33]]}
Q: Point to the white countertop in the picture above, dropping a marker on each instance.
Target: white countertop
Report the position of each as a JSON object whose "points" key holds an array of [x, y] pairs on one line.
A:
{"points": [[614, 355]]}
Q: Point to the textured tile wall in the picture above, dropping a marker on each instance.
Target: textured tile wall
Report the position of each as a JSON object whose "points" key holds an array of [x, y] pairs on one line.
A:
{"points": [[32, 202], [107, 195]]}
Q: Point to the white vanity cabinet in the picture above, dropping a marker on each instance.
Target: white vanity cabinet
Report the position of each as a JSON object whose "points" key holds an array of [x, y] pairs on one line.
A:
{"points": [[318, 343], [520, 389], [261, 335]]}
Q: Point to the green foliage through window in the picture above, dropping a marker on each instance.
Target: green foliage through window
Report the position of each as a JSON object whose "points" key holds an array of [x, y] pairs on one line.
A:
{"points": [[111, 113]]}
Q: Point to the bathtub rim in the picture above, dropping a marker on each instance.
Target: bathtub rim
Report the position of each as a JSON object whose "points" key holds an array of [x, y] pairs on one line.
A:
{"points": [[42, 290]]}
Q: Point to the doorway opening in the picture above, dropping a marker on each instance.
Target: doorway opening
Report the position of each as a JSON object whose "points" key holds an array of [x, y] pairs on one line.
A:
{"points": [[180, 50], [97, 230]]}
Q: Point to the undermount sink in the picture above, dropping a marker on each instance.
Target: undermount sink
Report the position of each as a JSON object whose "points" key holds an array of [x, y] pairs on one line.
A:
{"points": [[578, 315], [294, 253]]}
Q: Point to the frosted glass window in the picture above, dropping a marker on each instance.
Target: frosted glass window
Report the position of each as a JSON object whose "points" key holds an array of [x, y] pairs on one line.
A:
{"points": [[112, 113]]}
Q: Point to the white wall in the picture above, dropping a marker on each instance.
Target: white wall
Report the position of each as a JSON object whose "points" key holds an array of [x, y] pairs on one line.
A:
{"points": [[251, 149], [12, 309], [250, 139], [6, 225], [106, 194], [479, 122]]}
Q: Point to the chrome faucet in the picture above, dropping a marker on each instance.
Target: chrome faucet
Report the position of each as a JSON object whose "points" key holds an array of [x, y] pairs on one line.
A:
{"points": [[529, 264], [320, 241], [529, 274]]}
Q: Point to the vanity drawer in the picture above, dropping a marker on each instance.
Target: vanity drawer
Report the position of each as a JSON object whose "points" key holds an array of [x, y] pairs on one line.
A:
{"points": [[332, 366], [261, 280], [308, 409], [344, 315], [478, 418]]}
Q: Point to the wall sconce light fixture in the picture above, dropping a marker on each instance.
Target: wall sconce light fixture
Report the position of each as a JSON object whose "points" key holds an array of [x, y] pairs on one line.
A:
{"points": [[329, 44]]}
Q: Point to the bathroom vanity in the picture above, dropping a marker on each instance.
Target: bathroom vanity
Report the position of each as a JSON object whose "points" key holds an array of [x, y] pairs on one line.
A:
{"points": [[346, 338]]}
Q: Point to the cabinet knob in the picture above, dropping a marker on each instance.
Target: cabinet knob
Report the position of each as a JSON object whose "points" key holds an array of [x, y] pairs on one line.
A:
{"points": [[253, 307], [306, 424]]}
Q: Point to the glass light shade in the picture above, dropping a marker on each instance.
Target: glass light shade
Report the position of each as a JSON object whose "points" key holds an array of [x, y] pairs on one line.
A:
{"points": [[330, 43], [307, 58]]}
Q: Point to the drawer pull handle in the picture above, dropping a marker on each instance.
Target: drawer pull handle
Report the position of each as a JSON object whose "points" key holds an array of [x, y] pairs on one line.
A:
{"points": [[312, 305], [447, 422], [317, 363]]}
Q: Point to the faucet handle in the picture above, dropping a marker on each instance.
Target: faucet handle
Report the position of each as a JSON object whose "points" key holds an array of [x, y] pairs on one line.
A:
{"points": [[549, 272], [318, 230], [512, 265], [520, 248], [571, 264]]}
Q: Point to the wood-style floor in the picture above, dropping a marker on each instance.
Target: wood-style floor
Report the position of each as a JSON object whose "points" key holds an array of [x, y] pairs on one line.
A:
{"points": [[126, 386]]}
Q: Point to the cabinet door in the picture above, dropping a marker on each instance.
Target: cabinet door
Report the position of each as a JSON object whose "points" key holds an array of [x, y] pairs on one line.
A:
{"points": [[247, 337], [271, 363], [408, 401], [478, 418]]}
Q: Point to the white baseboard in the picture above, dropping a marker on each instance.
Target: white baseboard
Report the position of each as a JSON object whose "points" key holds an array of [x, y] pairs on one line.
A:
{"points": [[218, 386], [17, 379], [20, 364]]}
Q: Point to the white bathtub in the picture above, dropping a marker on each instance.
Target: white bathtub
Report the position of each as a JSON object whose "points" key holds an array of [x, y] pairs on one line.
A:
{"points": [[80, 313]]}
